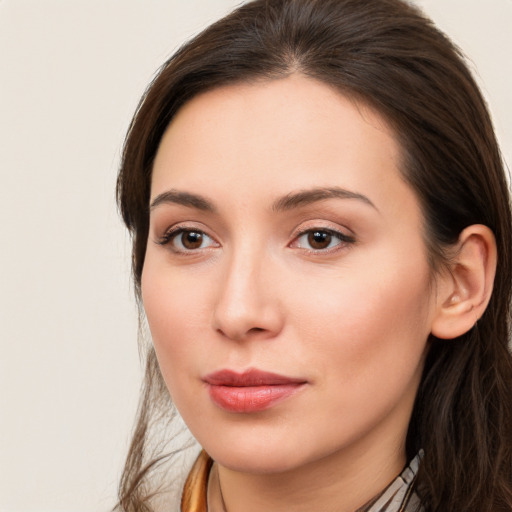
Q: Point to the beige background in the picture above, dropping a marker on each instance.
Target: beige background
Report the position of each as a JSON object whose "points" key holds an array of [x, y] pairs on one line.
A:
{"points": [[71, 73]]}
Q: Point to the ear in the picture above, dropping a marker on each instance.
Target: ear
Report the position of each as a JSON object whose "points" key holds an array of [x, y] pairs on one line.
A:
{"points": [[464, 290]]}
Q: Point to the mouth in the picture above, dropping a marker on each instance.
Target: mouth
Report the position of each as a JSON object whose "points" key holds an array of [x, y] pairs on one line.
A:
{"points": [[251, 391]]}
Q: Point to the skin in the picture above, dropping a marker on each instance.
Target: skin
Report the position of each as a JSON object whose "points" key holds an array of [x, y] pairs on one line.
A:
{"points": [[352, 319]]}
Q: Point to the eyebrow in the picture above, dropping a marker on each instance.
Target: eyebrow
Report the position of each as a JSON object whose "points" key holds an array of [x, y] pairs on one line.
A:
{"points": [[183, 198], [306, 197], [285, 203]]}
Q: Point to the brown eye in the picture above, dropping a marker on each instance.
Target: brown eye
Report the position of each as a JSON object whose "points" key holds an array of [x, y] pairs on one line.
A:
{"points": [[319, 239], [187, 240], [191, 239]]}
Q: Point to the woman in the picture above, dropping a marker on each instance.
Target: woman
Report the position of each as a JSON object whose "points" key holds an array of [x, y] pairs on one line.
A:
{"points": [[321, 245]]}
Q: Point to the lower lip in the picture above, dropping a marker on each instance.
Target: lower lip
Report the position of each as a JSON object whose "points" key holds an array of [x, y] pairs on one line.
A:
{"points": [[246, 399]]}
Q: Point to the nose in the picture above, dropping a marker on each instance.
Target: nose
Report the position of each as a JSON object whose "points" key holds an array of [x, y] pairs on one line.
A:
{"points": [[247, 303]]}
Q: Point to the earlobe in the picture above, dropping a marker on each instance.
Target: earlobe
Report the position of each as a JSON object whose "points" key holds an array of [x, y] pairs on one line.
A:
{"points": [[466, 288]]}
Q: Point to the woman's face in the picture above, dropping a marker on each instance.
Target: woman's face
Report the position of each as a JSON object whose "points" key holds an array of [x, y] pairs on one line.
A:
{"points": [[286, 281]]}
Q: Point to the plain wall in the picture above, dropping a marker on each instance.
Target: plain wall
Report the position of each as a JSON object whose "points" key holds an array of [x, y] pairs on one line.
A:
{"points": [[71, 73]]}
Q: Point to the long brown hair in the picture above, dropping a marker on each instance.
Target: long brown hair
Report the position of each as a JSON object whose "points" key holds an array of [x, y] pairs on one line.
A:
{"points": [[387, 54]]}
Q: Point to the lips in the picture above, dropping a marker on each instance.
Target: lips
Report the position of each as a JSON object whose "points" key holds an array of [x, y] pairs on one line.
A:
{"points": [[250, 391]]}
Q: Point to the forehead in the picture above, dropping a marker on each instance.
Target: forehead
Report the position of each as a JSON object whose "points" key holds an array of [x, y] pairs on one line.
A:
{"points": [[274, 114], [271, 137]]}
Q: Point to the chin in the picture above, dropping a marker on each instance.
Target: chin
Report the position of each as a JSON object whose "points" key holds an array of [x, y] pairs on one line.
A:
{"points": [[257, 451], [257, 461]]}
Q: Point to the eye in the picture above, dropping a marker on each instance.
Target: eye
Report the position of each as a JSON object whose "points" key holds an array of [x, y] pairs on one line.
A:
{"points": [[187, 240], [321, 239]]}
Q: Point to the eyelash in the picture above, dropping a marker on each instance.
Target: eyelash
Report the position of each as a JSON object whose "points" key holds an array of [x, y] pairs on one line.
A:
{"points": [[172, 234], [343, 239]]}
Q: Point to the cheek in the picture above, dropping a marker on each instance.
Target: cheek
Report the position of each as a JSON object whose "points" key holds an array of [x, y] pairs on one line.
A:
{"points": [[368, 322], [365, 345], [176, 313]]}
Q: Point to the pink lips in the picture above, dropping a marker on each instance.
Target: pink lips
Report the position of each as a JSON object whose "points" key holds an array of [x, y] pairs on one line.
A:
{"points": [[250, 391]]}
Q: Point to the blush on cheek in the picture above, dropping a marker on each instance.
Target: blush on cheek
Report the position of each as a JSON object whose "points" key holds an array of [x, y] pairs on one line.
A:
{"points": [[373, 329], [174, 321]]}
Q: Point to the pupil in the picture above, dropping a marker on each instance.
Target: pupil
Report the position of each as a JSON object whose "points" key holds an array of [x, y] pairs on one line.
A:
{"points": [[192, 240], [319, 239]]}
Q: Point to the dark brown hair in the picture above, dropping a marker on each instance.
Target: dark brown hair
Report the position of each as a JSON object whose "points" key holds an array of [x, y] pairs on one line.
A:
{"points": [[384, 53]]}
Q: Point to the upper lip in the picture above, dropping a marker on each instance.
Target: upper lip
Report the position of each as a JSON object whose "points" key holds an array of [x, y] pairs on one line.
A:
{"points": [[252, 377]]}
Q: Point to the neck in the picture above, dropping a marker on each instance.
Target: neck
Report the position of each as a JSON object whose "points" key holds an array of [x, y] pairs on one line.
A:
{"points": [[343, 482]]}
